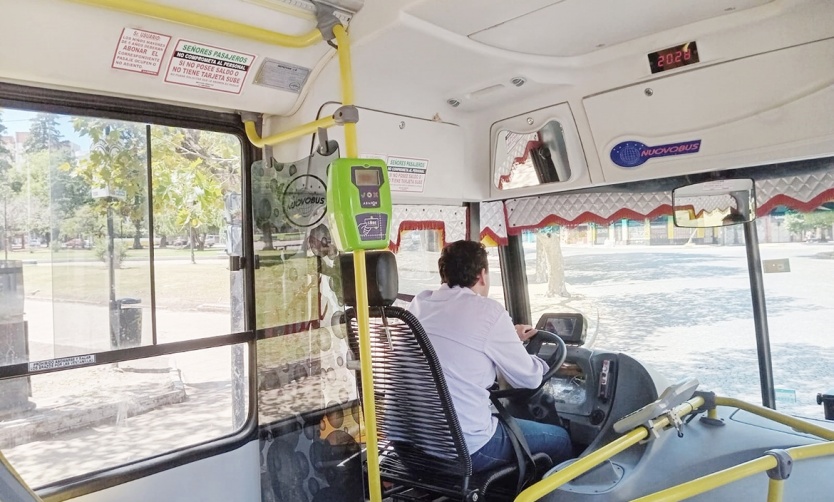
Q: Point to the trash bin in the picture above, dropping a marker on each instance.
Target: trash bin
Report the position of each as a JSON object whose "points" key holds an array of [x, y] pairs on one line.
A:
{"points": [[130, 324], [827, 402]]}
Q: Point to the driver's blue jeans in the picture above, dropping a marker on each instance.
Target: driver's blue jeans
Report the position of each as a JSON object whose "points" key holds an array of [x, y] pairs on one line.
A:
{"points": [[541, 438]]}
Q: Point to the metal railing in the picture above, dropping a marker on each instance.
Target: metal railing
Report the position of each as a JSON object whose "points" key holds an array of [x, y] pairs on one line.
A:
{"points": [[777, 463]]}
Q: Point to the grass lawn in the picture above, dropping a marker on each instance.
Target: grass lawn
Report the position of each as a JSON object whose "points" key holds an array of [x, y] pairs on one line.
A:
{"points": [[77, 276]]}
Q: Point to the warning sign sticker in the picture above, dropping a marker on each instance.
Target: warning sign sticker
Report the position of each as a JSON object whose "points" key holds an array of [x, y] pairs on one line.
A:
{"points": [[140, 51], [404, 174], [407, 175], [200, 65]]}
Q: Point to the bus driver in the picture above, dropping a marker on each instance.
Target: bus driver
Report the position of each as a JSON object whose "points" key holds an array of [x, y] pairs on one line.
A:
{"points": [[474, 339]]}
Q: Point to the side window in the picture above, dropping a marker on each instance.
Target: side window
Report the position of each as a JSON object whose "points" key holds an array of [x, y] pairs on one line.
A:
{"points": [[417, 257], [116, 235], [798, 265]]}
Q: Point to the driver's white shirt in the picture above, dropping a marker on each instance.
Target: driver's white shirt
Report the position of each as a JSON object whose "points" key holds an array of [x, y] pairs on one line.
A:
{"points": [[474, 337]]}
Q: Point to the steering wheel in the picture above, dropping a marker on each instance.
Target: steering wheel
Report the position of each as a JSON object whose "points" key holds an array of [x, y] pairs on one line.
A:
{"points": [[555, 362]]}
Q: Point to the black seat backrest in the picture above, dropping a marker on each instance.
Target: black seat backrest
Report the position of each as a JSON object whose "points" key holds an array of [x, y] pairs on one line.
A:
{"points": [[421, 443]]}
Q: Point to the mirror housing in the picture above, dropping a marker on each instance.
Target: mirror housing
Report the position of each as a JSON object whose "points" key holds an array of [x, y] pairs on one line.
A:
{"points": [[713, 204]]}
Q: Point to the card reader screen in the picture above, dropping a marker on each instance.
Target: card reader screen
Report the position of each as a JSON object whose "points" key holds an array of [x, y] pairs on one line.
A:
{"points": [[367, 178]]}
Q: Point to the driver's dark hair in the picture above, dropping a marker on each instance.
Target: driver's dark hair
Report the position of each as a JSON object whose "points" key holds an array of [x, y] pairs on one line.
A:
{"points": [[461, 263]]}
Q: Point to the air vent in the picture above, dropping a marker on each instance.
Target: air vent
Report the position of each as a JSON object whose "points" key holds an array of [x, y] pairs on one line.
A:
{"points": [[518, 81]]}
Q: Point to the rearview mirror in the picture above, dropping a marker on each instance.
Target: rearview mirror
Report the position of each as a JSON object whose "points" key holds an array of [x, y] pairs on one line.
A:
{"points": [[714, 204]]}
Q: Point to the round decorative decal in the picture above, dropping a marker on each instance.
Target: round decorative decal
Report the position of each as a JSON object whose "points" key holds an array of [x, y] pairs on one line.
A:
{"points": [[304, 200]]}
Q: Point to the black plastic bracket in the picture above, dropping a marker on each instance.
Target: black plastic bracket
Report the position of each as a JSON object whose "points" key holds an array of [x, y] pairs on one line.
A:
{"points": [[709, 400], [784, 464]]}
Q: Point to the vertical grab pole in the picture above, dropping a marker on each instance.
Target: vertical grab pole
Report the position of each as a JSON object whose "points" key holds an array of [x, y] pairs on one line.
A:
{"points": [[368, 407], [754, 268]]}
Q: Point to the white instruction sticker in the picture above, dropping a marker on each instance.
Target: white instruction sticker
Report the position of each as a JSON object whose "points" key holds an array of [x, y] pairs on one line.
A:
{"points": [[140, 51], [283, 76], [64, 362], [208, 67], [406, 174]]}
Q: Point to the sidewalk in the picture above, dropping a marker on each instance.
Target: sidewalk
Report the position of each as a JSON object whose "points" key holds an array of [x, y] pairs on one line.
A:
{"points": [[89, 397]]}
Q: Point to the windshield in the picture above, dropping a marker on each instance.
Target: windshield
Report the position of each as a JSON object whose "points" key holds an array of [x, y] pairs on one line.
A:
{"points": [[417, 257], [679, 300]]}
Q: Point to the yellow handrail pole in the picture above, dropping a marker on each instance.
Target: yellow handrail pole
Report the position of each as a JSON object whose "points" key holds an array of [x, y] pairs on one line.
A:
{"points": [[800, 425], [346, 73], [775, 490], [297, 132], [737, 472], [368, 406], [711, 481], [212, 23], [538, 490]]}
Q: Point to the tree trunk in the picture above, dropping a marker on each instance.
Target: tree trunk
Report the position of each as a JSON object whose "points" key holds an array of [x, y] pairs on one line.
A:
{"points": [[541, 259], [556, 275], [191, 236], [137, 236]]}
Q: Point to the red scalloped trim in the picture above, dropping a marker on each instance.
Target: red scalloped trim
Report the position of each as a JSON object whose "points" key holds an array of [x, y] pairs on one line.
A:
{"points": [[505, 178], [417, 225], [589, 217], [487, 232], [790, 202]]}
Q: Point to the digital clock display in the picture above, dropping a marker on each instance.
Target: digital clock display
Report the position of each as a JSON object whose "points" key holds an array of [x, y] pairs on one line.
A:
{"points": [[673, 57]]}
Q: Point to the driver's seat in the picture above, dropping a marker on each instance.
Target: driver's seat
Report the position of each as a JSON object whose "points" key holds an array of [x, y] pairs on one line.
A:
{"points": [[420, 440]]}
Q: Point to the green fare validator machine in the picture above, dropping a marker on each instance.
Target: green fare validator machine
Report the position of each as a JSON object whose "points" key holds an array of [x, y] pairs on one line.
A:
{"points": [[359, 203]]}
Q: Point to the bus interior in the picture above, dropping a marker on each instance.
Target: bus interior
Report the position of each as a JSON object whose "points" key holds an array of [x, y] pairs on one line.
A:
{"points": [[197, 304]]}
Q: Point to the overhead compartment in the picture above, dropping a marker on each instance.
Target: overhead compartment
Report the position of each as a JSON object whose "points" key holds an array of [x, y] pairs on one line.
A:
{"points": [[767, 108]]}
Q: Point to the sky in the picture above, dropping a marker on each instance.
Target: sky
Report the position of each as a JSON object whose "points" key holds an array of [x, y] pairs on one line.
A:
{"points": [[19, 121]]}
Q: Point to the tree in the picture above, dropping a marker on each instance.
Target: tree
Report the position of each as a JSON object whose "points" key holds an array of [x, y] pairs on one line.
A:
{"points": [[43, 133], [5, 153], [549, 259], [116, 163], [192, 169], [801, 223]]}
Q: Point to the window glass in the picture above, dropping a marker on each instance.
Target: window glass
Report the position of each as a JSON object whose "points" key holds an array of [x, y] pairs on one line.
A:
{"points": [[798, 264], [83, 420], [196, 219], [417, 260], [496, 286], [525, 159], [79, 215], [107, 246], [672, 298], [303, 354]]}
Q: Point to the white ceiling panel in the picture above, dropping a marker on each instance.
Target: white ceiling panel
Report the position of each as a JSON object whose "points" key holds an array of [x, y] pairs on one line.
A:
{"points": [[563, 29], [470, 16]]}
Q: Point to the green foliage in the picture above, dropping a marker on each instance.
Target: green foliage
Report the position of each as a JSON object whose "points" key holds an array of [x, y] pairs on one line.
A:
{"points": [[5, 153], [43, 134], [192, 171], [803, 222], [119, 251]]}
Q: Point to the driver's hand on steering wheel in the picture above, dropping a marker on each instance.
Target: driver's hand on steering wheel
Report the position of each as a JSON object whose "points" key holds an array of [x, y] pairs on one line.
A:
{"points": [[525, 331]]}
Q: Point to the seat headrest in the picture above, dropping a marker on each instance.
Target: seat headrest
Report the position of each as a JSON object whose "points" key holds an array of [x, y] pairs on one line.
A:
{"points": [[383, 281]]}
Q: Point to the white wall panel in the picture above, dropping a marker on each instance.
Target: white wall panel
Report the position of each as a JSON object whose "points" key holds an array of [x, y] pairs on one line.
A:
{"points": [[762, 109], [235, 475]]}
